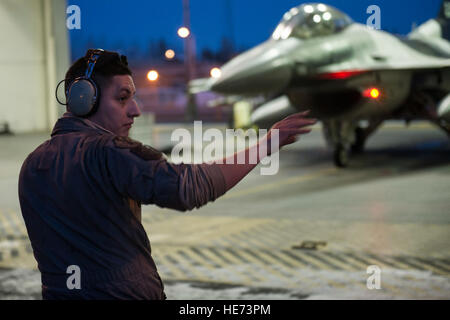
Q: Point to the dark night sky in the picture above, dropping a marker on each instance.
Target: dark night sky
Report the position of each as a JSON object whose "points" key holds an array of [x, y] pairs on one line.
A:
{"points": [[124, 25]]}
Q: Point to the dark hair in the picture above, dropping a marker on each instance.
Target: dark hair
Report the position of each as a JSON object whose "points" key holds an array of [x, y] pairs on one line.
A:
{"points": [[109, 64]]}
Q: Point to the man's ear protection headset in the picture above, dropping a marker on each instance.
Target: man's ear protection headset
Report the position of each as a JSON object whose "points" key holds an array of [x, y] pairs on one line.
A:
{"points": [[83, 94]]}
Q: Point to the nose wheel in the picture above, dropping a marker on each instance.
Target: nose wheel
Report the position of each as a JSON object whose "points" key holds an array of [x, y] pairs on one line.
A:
{"points": [[341, 156], [360, 139], [340, 136]]}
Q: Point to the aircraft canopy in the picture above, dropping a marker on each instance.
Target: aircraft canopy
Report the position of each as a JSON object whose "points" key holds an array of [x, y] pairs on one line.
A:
{"points": [[311, 20]]}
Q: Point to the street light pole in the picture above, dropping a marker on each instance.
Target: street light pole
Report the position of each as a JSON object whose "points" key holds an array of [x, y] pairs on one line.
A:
{"points": [[189, 60]]}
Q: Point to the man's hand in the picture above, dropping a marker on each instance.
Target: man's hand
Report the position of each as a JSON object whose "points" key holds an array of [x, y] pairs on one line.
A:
{"points": [[291, 127], [288, 130]]}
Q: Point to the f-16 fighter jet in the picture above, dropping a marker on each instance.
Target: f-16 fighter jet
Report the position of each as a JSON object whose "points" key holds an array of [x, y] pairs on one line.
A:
{"points": [[346, 73]]}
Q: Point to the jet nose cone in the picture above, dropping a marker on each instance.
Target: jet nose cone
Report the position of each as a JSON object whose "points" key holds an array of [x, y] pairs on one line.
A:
{"points": [[264, 68]]}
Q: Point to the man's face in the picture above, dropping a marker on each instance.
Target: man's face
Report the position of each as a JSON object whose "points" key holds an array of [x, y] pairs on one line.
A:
{"points": [[118, 107]]}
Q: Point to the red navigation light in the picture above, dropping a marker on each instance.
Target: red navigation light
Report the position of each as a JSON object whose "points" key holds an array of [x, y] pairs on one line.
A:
{"points": [[373, 93], [341, 74]]}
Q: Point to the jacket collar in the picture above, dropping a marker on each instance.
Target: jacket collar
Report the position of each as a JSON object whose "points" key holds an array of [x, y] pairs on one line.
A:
{"points": [[70, 123]]}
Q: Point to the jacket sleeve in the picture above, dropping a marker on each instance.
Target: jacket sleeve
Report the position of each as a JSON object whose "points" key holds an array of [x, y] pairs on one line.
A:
{"points": [[157, 181]]}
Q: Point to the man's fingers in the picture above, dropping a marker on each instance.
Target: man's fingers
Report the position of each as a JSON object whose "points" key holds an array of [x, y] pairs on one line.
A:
{"points": [[306, 122], [297, 123], [297, 115], [301, 114], [295, 131]]}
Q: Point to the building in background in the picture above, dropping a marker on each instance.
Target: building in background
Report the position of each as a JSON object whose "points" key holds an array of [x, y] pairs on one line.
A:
{"points": [[33, 59], [166, 98]]}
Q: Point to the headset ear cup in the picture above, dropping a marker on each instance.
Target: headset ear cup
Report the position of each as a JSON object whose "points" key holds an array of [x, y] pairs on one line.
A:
{"points": [[97, 99], [82, 97]]}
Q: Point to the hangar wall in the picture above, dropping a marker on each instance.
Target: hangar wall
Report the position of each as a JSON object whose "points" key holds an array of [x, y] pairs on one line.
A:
{"points": [[34, 56]]}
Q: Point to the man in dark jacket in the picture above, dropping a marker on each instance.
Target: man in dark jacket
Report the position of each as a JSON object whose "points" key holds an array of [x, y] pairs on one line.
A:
{"points": [[81, 191]]}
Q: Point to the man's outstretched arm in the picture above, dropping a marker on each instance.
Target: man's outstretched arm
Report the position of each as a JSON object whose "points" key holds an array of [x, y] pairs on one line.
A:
{"points": [[135, 172]]}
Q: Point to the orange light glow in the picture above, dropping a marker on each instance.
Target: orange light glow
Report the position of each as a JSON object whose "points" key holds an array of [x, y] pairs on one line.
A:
{"points": [[215, 73], [183, 32], [152, 75], [373, 93], [170, 54]]}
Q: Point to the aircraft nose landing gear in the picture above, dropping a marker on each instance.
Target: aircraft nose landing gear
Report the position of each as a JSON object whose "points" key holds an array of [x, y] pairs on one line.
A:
{"points": [[346, 137], [341, 156], [360, 139], [340, 135]]}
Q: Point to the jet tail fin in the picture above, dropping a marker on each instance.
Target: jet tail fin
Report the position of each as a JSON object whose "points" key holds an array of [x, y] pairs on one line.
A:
{"points": [[438, 27], [443, 19]]}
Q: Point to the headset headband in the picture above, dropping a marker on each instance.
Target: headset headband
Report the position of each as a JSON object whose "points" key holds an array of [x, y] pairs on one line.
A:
{"points": [[94, 54]]}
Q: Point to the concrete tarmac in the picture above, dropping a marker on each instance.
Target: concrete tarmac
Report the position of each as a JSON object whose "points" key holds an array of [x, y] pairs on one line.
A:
{"points": [[311, 231]]}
